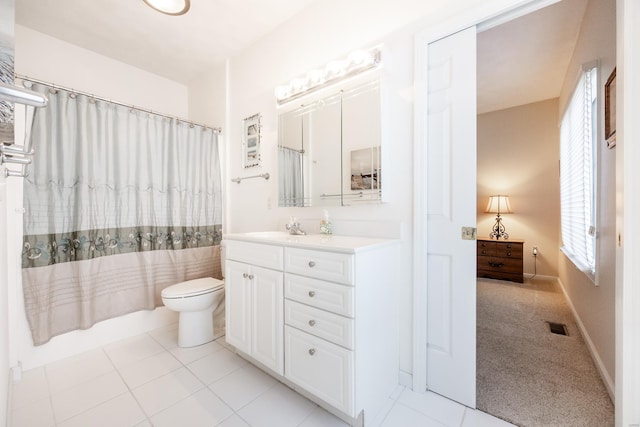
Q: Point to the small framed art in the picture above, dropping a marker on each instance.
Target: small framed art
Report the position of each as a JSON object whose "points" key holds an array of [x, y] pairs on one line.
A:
{"points": [[251, 141], [610, 110]]}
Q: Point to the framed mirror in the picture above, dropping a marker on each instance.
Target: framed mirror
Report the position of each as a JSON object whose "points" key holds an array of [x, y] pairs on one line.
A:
{"points": [[329, 150]]}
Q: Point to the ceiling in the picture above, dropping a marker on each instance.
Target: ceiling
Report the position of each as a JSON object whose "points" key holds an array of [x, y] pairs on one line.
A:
{"points": [[522, 61], [525, 60], [180, 48]]}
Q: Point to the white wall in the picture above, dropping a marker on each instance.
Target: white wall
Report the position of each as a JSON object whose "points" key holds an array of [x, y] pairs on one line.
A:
{"points": [[595, 305], [42, 57]]}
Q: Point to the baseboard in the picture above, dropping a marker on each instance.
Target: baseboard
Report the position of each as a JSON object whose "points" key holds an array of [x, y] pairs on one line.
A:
{"points": [[405, 379], [531, 276], [608, 382]]}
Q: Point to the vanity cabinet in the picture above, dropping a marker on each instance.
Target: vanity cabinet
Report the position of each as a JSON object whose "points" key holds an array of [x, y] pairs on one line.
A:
{"points": [[339, 320], [254, 302]]}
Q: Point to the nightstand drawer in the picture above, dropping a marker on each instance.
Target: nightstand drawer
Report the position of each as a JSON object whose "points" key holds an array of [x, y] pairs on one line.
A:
{"points": [[508, 249], [486, 248], [505, 265]]}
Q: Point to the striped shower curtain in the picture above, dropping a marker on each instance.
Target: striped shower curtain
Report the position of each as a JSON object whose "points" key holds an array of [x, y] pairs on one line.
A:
{"points": [[119, 203]]}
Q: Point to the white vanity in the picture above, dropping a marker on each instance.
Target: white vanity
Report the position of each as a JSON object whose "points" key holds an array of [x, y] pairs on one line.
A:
{"points": [[319, 313]]}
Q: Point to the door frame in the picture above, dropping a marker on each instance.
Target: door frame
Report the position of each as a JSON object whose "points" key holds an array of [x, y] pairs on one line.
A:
{"points": [[627, 319]]}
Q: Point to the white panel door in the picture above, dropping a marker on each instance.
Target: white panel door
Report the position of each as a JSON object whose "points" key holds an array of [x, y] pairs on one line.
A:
{"points": [[451, 204]]}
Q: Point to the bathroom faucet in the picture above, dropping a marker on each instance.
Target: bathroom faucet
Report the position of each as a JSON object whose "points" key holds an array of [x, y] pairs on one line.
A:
{"points": [[294, 228]]}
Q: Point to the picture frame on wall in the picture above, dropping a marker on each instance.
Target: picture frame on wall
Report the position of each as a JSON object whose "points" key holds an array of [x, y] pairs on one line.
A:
{"points": [[610, 110], [251, 141]]}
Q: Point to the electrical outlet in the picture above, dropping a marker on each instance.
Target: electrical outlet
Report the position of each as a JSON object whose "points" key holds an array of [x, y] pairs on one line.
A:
{"points": [[535, 251]]}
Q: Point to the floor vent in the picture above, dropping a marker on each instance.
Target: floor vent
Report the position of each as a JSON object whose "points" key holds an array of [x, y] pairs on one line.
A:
{"points": [[558, 328]]}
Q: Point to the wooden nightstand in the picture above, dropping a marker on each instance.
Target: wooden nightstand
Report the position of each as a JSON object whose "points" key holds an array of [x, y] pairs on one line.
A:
{"points": [[500, 259]]}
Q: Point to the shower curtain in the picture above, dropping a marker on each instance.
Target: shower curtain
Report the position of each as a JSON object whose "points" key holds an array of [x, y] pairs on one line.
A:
{"points": [[119, 203], [290, 177]]}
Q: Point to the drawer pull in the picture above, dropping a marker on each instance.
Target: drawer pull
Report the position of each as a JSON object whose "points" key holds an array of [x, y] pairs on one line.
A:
{"points": [[312, 294], [484, 252], [312, 322], [496, 264], [312, 264], [508, 253], [312, 351]]}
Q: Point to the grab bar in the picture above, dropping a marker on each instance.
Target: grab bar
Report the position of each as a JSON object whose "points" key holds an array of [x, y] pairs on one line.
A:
{"points": [[262, 175]]}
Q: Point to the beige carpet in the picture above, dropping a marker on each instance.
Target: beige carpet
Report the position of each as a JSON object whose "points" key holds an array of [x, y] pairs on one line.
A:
{"points": [[525, 374]]}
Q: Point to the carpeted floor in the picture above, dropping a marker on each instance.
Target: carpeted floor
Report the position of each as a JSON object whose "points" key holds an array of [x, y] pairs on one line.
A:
{"points": [[525, 374]]}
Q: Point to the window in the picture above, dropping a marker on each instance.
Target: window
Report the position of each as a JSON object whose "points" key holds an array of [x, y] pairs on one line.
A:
{"points": [[578, 136]]}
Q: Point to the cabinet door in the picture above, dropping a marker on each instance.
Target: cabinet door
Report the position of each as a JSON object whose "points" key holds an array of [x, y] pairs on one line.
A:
{"points": [[268, 314], [238, 305]]}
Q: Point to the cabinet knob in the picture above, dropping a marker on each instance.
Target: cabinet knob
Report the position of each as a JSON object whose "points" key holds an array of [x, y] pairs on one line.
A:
{"points": [[312, 264], [251, 277], [312, 322], [508, 253], [312, 351], [312, 294], [484, 252], [245, 275]]}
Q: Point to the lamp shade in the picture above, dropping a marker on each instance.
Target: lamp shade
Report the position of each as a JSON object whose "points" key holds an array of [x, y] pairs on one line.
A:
{"points": [[499, 205]]}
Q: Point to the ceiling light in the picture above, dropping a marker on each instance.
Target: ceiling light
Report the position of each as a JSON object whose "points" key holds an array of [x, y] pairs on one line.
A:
{"points": [[169, 7]]}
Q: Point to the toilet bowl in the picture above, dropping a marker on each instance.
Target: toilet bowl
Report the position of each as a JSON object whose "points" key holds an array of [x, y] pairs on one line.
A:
{"points": [[195, 300]]}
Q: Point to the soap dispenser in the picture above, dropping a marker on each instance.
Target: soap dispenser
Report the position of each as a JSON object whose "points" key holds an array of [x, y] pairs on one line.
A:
{"points": [[325, 223]]}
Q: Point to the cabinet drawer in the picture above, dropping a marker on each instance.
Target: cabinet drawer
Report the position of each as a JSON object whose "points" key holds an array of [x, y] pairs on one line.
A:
{"points": [[486, 248], [320, 265], [320, 367], [506, 265], [507, 249], [317, 293], [267, 256], [334, 328]]}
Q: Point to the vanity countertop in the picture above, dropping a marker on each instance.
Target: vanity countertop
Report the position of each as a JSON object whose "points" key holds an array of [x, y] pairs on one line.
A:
{"points": [[332, 242]]}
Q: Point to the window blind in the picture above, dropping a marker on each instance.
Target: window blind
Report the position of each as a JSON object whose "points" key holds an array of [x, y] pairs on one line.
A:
{"points": [[577, 173]]}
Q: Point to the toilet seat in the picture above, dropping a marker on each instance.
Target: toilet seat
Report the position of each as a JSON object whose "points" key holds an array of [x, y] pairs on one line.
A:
{"points": [[192, 288]]}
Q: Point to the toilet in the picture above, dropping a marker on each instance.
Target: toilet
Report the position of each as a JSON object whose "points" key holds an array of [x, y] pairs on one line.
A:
{"points": [[195, 300]]}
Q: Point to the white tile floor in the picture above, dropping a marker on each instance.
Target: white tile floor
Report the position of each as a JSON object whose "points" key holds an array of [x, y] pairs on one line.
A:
{"points": [[149, 381]]}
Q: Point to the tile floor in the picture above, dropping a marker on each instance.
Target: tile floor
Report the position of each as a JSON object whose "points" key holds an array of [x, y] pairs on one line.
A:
{"points": [[149, 381]]}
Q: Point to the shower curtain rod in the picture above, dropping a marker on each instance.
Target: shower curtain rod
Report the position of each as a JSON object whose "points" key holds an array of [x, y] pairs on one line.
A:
{"points": [[216, 130]]}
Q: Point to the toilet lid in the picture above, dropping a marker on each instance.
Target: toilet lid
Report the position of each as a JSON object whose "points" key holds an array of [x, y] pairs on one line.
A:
{"points": [[192, 288]]}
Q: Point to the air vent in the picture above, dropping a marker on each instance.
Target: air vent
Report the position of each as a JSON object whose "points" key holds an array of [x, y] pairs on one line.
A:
{"points": [[558, 328]]}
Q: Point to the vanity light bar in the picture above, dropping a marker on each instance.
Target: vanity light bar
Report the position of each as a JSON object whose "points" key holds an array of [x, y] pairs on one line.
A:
{"points": [[357, 62]]}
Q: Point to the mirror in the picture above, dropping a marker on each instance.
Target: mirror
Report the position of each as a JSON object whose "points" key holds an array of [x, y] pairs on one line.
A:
{"points": [[329, 151]]}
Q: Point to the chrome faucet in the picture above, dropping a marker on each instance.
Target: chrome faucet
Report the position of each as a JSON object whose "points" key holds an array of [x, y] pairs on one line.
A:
{"points": [[294, 228]]}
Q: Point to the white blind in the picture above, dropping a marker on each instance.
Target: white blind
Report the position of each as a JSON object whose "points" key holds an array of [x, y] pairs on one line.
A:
{"points": [[577, 173]]}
